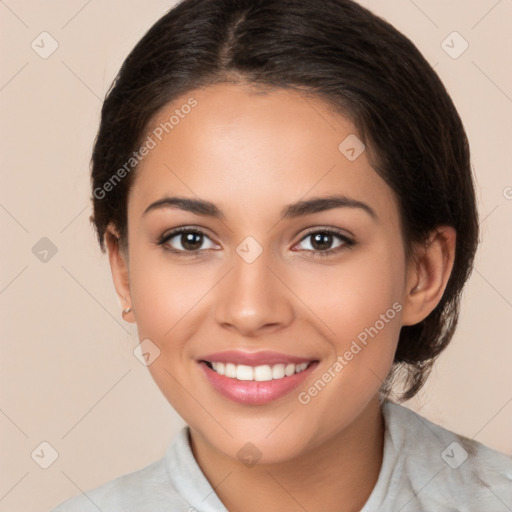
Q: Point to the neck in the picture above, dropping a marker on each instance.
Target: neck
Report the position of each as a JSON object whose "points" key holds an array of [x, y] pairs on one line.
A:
{"points": [[338, 475]]}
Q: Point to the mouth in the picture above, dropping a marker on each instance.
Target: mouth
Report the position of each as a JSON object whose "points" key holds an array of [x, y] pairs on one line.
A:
{"points": [[249, 383]]}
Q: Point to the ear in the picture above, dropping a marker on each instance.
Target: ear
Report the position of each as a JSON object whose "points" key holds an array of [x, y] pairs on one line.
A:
{"points": [[428, 273], [118, 258]]}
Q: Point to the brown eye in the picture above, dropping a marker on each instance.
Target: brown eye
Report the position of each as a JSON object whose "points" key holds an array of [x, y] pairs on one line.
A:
{"points": [[321, 242], [185, 240], [190, 241]]}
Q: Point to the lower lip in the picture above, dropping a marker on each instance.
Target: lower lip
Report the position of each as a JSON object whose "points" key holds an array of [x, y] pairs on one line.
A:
{"points": [[250, 392]]}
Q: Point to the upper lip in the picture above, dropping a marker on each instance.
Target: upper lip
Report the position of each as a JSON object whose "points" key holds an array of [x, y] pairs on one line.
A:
{"points": [[254, 358]]}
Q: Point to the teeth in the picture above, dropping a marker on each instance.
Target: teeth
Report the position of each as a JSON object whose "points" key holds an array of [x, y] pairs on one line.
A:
{"points": [[262, 373], [289, 369], [258, 373], [244, 372], [278, 371]]}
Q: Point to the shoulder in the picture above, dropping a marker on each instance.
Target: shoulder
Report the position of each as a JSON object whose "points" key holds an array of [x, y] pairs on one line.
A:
{"points": [[441, 466], [146, 489]]}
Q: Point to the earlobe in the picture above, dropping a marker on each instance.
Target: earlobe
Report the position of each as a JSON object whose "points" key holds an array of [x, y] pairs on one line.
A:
{"points": [[428, 274], [118, 259]]}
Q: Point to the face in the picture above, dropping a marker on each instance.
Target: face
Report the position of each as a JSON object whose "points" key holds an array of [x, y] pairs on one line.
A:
{"points": [[276, 283]]}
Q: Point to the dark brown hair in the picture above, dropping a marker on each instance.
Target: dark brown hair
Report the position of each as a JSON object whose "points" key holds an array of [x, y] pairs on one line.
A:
{"points": [[362, 67]]}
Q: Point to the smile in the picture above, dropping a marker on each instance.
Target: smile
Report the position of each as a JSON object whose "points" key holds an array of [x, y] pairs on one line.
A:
{"points": [[255, 378], [260, 373]]}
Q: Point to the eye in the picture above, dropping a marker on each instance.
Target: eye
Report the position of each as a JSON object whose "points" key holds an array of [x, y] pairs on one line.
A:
{"points": [[185, 240], [189, 242], [323, 239]]}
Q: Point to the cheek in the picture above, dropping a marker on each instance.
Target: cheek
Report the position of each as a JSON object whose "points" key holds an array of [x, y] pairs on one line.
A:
{"points": [[362, 311], [357, 305], [167, 300], [352, 294], [166, 295]]}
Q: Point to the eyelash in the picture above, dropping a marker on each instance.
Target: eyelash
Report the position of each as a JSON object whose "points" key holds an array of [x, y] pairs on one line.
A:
{"points": [[347, 242]]}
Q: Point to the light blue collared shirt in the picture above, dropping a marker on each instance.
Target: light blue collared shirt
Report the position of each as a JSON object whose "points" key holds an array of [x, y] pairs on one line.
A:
{"points": [[425, 468]]}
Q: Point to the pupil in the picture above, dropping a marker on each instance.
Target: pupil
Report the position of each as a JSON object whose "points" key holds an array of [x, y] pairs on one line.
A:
{"points": [[321, 241], [187, 240]]}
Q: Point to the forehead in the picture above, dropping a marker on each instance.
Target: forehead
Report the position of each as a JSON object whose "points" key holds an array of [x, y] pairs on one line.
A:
{"points": [[253, 147]]}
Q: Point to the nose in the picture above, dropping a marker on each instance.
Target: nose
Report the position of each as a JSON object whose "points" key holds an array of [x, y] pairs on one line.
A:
{"points": [[253, 299]]}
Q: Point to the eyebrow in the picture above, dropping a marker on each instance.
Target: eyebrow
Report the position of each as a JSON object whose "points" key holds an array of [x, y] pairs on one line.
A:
{"points": [[299, 209]]}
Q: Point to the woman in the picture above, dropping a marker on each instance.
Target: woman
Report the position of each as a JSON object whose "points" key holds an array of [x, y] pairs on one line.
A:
{"points": [[285, 193]]}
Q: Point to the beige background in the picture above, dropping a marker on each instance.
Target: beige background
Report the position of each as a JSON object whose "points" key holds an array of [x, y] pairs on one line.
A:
{"points": [[68, 375]]}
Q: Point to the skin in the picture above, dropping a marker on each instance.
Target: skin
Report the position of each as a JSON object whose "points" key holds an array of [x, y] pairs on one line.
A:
{"points": [[253, 154]]}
